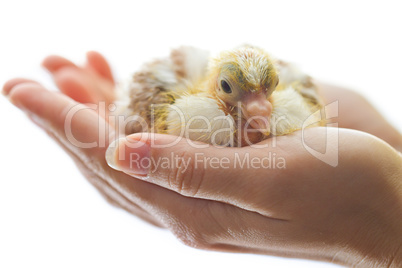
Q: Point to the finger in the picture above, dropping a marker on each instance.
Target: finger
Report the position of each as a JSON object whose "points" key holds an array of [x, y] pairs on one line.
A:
{"points": [[56, 112], [69, 79], [54, 63], [77, 85], [97, 62], [82, 85], [13, 82], [238, 176], [354, 111]]}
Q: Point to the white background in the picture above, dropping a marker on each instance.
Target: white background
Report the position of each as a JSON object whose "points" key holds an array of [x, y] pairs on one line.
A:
{"points": [[51, 217]]}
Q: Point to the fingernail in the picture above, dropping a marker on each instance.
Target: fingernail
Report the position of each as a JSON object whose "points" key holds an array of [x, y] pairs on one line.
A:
{"points": [[129, 156], [111, 154]]}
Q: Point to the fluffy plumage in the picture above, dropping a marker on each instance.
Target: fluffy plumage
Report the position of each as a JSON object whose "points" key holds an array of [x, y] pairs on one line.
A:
{"points": [[238, 98]]}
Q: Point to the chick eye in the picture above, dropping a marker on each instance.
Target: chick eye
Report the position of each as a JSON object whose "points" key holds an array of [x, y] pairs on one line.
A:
{"points": [[226, 87]]}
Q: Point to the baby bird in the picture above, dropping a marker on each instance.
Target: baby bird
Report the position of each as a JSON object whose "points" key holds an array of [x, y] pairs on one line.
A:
{"points": [[238, 98]]}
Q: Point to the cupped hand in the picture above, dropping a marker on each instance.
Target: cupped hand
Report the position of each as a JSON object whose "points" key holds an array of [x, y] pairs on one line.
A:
{"points": [[82, 87], [355, 112], [279, 200]]}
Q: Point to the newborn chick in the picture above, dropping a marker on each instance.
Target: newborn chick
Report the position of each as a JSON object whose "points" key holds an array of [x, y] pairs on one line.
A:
{"points": [[238, 98]]}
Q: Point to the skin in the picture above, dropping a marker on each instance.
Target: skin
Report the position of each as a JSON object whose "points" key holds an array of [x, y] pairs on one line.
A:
{"points": [[350, 214]]}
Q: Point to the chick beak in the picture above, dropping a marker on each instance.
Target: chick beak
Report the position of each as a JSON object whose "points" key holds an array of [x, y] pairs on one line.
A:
{"points": [[257, 110]]}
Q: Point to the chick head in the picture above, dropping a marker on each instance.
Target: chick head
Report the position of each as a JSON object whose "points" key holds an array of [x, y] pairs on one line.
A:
{"points": [[245, 78]]}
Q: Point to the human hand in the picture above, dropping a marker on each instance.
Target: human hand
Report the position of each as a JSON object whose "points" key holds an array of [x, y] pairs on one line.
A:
{"points": [[283, 215], [349, 214], [90, 84], [355, 112]]}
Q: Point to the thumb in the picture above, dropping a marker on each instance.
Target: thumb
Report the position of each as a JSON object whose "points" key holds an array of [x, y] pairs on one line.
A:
{"points": [[230, 175]]}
